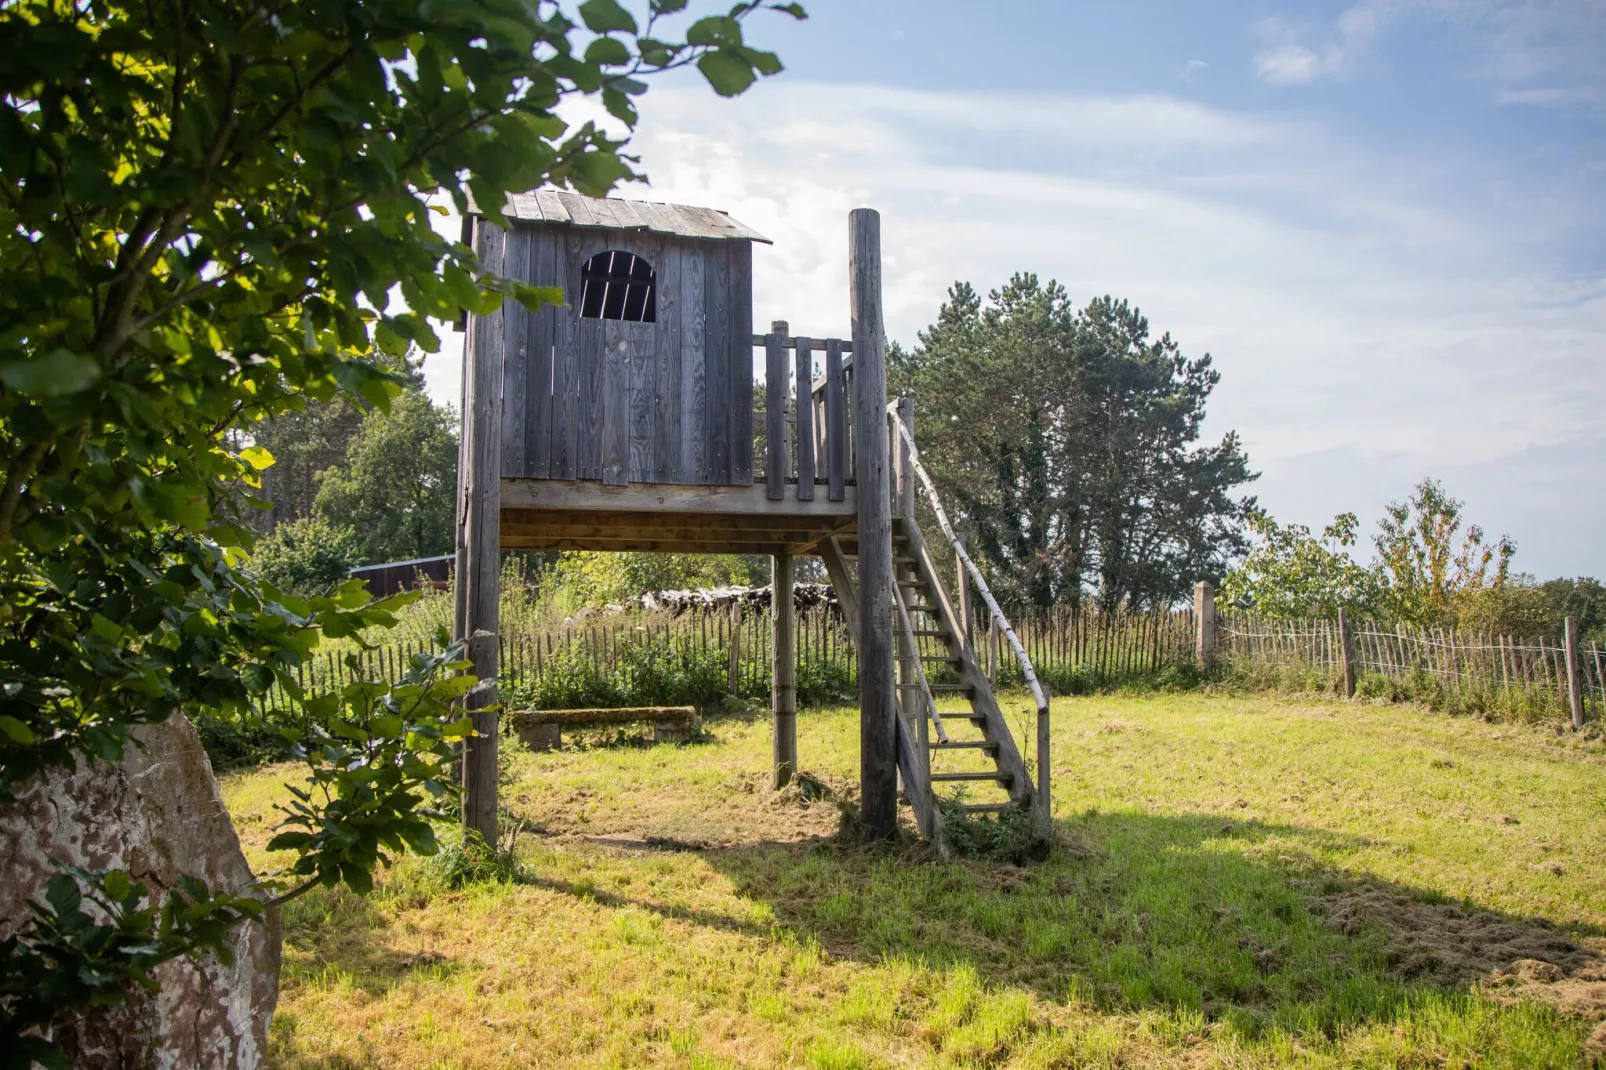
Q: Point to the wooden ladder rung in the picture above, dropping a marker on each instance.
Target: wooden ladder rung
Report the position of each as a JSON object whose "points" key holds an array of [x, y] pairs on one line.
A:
{"points": [[1002, 778], [938, 634], [966, 744], [985, 808], [950, 689]]}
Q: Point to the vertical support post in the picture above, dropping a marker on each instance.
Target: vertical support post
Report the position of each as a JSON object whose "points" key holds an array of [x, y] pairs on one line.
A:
{"points": [[807, 451], [878, 741], [479, 541], [733, 672], [1044, 801], [776, 375], [1575, 694], [1346, 650], [1204, 619], [783, 667]]}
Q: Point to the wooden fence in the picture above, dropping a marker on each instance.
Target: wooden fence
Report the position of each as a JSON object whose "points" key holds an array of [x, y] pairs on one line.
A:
{"points": [[1491, 670]]}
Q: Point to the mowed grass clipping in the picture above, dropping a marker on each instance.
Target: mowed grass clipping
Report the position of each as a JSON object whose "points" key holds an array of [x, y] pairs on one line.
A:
{"points": [[1237, 882]]}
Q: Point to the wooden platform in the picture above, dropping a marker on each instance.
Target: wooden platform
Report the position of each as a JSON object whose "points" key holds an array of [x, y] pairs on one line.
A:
{"points": [[544, 514]]}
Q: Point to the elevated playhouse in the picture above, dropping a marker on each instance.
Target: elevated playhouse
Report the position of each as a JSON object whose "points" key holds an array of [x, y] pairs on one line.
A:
{"points": [[624, 420]]}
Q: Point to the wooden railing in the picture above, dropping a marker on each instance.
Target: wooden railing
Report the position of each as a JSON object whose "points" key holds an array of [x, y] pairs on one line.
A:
{"points": [[804, 436]]}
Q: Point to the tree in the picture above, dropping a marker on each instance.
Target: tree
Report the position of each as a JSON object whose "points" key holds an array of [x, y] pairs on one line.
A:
{"points": [[204, 206], [396, 486], [1290, 574], [595, 577], [308, 556], [1067, 442], [1525, 607], [304, 444], [1428, 566]]}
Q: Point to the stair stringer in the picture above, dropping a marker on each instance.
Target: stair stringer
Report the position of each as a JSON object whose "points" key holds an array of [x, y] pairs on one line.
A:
{"points": [[910, 766], [982, 700]]}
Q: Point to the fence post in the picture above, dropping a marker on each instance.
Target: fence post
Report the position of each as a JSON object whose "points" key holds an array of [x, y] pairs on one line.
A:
{"points": [[1575, 696], [1346, 649], [1204, 619], [733, 673]]}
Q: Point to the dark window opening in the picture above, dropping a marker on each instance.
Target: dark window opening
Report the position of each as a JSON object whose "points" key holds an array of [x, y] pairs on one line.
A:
{"points": [[619, 286]]}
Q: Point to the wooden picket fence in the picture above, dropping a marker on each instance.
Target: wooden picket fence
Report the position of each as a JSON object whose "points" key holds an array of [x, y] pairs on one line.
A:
{"points": [[1495, 669]]}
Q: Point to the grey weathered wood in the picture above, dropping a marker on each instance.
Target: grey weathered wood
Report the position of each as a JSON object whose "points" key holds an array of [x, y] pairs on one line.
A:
{"points": [[967, 614], [615, 425], [644, 393], [1346, 651], [671, 400], [479, 559], [681, 715], [805, 419], [568, 379], [592, 497], [760, 340], [878, 711], [516, 258], [717, 357], [903, 466], [540, 377], [847, 592], [1204, 619], [592, 363], [903, 498], [693, 369], [1575, 693], [740, 257], [783, 668], [836, 421], [776, 468], [733, 670]]}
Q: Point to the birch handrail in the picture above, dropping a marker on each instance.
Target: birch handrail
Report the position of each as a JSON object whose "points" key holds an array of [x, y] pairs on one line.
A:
{"points": [[969, 566]]}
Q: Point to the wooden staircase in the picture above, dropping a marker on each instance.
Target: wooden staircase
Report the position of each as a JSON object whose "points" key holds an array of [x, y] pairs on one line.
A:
{"points": [[944, 757]]}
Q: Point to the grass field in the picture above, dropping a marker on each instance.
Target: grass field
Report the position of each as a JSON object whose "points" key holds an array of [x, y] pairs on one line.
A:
{"points": [[1237, 881]]}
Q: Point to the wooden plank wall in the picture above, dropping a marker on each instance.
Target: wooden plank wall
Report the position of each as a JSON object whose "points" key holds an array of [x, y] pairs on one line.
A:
{"points": [[664, 402]]}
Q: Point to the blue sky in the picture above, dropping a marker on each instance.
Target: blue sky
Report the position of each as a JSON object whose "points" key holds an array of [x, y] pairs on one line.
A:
{"points": [[1386, 220]]}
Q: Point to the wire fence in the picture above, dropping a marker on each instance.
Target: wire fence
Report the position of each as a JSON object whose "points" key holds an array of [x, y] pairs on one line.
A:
{"points": [[1449, 666]]}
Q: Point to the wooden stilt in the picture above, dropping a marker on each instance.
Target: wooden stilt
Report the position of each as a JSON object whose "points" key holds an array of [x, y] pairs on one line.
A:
{"points": [[878, 755], [479, 553], [783, 668]]}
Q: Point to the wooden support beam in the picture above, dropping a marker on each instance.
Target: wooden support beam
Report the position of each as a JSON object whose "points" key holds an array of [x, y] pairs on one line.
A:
{"points": [[783, 668], [479, 555], [847, 594], [878, 739], [591, 496]]}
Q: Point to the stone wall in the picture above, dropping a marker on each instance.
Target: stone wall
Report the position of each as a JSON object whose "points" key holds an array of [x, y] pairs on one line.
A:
{"points": [[158, 815]]}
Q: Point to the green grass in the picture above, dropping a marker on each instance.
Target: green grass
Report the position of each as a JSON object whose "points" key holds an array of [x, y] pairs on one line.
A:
{"points": [[1236, 881]]}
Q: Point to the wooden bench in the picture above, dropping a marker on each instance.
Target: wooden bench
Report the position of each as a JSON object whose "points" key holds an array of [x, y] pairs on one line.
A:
{"points": [[542, 729]]}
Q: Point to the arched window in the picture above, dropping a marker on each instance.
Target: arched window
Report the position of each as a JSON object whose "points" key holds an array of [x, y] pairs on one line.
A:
{"points": [[619, 286]]}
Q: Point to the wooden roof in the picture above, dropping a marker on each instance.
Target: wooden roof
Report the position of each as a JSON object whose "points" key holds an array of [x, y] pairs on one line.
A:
{"points": [[680, 220]]}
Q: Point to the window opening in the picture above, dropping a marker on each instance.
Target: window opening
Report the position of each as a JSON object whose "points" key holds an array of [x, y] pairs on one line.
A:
{"points": [[619, 286]]}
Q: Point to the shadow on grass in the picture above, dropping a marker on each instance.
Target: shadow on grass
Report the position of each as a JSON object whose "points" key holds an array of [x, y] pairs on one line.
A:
{"points": [[1202, 917]]}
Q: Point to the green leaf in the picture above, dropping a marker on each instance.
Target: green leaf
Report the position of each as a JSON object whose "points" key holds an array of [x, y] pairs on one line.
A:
{"points": [[726, 72], [607, 52], [16, 731], [54, 374], [606, 16], [257, 457]]}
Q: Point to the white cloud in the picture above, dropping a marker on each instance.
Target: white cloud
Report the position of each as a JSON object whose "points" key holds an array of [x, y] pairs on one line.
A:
{"points": [[1353, 310]]}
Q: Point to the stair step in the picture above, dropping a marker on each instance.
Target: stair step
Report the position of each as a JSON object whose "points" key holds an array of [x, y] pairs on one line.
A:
{"points": [[931, 657], [985, 808], [966, 744], [937, 634], [1002, 778], [951, 689]]}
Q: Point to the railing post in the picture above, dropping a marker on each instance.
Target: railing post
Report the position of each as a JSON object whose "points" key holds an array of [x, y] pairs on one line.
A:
{"points": [[1204, 617], [776, 376], [878, 741], [803, 407], [1346, 649], [733, 672], [1575, 696]]}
